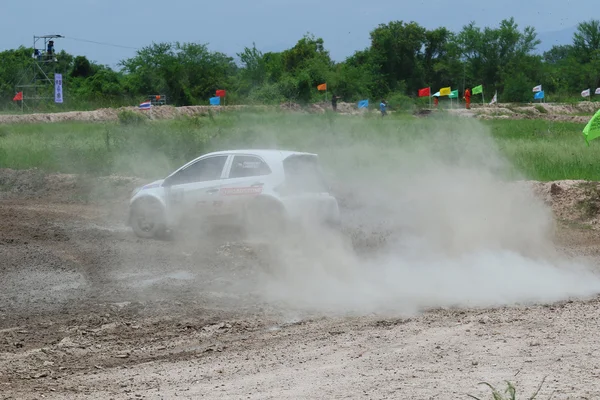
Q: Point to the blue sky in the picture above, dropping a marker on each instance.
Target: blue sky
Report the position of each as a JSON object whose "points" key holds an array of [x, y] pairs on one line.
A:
{"points": [[229, 25]]}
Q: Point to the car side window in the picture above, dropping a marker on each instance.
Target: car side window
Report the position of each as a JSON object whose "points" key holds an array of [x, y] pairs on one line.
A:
{"points": [[246, 166], [208, 169]]}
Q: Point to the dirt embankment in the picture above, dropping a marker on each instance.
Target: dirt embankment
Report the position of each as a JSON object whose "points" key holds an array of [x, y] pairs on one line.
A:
{"points": [[579, 113], [167, 112]]}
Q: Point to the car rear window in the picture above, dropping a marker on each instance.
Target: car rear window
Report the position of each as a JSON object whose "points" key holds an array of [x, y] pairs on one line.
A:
{"points": [[303, 174], [246, 166]]}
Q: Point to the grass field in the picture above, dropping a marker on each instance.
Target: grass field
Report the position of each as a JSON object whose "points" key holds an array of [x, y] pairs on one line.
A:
{"points": [[536, 149]]}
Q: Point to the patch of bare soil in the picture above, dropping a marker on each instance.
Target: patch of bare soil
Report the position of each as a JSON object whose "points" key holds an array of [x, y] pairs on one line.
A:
{"points": [[87, 310]]}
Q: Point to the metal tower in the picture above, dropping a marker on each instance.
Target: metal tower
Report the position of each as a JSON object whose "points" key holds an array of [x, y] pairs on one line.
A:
{"points": [[37, 80]]}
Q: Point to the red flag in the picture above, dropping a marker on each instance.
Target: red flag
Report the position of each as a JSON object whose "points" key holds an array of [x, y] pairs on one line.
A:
{"points": [[424, 92], [19, 96], [220, 93]]}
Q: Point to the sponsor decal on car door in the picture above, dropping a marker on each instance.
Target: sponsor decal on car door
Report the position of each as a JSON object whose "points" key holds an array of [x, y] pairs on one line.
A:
{"points": [[246, 180]]}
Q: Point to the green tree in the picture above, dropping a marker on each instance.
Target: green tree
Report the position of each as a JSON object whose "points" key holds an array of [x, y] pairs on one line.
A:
{"points": [[558, 54], [254, 70], [309, 64], [586, 40], [308, 49], [397, 49], [12, 64], [81, 67], [188, 73], [492, 53], [441, 58]]}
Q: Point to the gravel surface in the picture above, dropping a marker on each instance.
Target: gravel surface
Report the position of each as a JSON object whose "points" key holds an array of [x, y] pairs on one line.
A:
{"points": [[87, 310]]}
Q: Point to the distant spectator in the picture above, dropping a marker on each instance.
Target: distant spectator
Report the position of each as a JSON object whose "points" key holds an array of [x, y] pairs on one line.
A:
{"points": [[383, 108], [334, 100], [467, 98]]}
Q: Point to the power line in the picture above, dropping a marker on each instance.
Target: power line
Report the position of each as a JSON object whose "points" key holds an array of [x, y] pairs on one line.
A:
{"points": [[101, 43]]}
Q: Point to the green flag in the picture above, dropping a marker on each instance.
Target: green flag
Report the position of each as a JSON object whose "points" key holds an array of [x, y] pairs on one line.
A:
{"points": [[453, 94], [478, 89], [592, 129]]}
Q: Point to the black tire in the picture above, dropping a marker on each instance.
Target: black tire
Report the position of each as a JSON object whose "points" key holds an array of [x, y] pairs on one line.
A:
{"points": [[148, 219]]}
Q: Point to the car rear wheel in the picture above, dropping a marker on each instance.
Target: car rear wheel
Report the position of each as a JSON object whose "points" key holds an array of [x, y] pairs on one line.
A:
{"points": [[147, 219], [264, 217]]}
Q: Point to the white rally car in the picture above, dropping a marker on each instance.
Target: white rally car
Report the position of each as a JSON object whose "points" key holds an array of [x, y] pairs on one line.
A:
{"points": [[257, 188]]}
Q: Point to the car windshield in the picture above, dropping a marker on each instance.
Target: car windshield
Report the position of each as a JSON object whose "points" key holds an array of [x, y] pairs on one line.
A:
{"points": [[303, 174]]}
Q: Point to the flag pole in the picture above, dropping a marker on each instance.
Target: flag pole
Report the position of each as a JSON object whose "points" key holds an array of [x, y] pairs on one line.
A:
{"points": [[429, 96], [482, 96]]}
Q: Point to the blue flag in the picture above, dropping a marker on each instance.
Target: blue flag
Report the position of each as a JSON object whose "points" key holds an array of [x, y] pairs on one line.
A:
{"points": [[363, 104], [215, 101], [539, 95]]}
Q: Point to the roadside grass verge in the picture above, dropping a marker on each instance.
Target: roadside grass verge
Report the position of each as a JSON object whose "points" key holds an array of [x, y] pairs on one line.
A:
{"points": [[537, 149]]}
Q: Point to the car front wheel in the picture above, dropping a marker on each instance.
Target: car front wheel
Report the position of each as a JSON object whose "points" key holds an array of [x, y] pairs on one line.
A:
{"points": [[147, 219]]}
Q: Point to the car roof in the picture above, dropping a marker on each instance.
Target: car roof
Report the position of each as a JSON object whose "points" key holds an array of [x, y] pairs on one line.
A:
{"points": [[264, 153], [269, 155]]}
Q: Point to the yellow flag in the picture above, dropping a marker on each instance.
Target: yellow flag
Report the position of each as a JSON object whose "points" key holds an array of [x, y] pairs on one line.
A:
{"points": [[322, 86], [445, 91]]}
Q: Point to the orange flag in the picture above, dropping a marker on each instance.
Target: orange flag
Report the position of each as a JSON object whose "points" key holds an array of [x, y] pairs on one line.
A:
{"points": [[19, 96], [322, 86]]}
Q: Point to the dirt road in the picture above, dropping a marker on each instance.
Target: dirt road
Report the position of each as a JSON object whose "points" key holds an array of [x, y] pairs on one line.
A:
{"points": [[89, 311]]}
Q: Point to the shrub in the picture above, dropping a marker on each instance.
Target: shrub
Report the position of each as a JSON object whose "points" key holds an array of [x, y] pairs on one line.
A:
{"points": [[400, 102]]}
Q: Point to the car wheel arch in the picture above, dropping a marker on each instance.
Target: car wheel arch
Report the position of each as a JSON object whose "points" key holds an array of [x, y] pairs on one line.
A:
{"points": [[147, 198]]}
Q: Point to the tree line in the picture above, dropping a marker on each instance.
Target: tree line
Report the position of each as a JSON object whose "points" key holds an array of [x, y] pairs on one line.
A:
{"points": [[402, 57]]}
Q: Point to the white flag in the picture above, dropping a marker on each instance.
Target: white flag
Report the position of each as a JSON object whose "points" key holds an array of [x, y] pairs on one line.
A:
{"points": [[585, 93], [494, 99], [597, 91], [538, 88]]}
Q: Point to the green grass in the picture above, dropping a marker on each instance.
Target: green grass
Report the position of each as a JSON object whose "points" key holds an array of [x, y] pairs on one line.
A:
{"points": [[510, 393], [546, 150], [536, 149]]}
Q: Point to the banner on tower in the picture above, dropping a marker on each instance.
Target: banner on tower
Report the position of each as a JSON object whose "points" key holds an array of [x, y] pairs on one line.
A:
{"points": [[58, 92]]}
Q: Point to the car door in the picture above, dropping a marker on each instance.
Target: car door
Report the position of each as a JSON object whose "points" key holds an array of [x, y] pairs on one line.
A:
{"points": [[244, 180], [192, 192]]}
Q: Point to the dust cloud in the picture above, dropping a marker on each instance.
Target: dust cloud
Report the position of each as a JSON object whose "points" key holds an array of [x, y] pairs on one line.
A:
{"points": [[455, 229]]}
